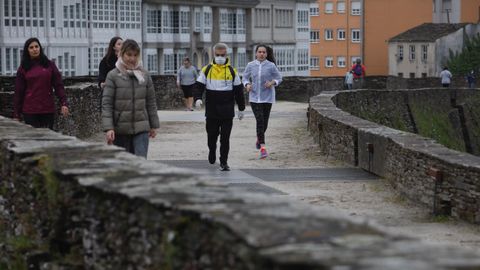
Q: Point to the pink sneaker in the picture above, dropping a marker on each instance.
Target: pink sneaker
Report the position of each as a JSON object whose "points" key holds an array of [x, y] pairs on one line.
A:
{"points": [[263, 153]]}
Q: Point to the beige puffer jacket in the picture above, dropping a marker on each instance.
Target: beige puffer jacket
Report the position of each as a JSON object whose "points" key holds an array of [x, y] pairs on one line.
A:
{"points": [[128, 107]]}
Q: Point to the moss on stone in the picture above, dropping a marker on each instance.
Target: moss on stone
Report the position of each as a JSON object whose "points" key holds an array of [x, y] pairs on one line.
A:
{"points": [[21, 243]]}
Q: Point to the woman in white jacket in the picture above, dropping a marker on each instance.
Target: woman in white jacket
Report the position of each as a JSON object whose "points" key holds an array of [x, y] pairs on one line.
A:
{"points": [[260, 78]]}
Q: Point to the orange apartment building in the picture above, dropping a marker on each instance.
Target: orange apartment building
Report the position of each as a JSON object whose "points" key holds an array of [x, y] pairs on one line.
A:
{"points": [[377, 21], [335, 36]]}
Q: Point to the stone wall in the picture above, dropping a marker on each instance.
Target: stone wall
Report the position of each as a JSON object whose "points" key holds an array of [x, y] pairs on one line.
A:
{"points": [[445, 180], [68, 204], [446, 115]]}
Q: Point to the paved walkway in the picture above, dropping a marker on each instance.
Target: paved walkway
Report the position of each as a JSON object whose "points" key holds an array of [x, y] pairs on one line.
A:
{"points": [[296, 169]]}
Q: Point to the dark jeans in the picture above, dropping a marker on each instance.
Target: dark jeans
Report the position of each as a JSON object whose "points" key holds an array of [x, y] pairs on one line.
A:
{"points": [[262, 114], [222, 127], [39, 120], [136, 144]]}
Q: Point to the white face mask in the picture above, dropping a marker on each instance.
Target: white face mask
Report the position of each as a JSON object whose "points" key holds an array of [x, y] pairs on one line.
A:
{"points": [[220, 60]]}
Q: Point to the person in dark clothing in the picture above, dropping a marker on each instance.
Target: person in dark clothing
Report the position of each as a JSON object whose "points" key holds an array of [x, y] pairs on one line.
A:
{"points": [[223, 88], [36, 77], [471, 79], [108, 62]]}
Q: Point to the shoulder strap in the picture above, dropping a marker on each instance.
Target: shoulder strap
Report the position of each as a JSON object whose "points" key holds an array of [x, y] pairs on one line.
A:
{"points": [[232, 71], [207, 70]]}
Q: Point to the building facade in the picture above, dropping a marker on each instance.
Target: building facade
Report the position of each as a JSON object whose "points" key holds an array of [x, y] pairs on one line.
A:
{"points": [[75, 33], [369, 29], [335, 36], [424, 50], [456, 11]]}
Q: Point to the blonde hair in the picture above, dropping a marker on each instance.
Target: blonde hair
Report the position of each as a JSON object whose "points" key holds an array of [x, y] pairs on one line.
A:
{"points": [[129, 45]]}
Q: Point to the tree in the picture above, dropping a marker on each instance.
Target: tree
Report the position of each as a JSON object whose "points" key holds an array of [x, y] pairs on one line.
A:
{"points": [[468, 59]]}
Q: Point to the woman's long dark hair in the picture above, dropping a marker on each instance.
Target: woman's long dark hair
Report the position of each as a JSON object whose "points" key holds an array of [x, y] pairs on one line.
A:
{"points": [[27, 60], [110, 51], [269, 49]]}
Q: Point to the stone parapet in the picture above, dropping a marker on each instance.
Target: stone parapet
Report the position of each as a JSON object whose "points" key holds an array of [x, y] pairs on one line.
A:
{"points": [[68, 204], [443, 179]]}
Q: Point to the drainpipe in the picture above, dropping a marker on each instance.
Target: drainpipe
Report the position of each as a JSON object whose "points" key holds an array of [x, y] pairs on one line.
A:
{"points": [[362, 27]]}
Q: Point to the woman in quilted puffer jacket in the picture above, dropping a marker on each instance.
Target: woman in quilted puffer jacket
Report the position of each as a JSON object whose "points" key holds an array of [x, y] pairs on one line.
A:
{"points": [[129, 110]]}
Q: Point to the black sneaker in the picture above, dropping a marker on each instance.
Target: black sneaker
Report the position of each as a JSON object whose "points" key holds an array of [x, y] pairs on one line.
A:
{"points": [[224, 167], [211, 157]]}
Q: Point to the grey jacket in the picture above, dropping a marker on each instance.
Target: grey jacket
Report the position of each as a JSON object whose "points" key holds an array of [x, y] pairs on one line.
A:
{"points": [[128, 107]]}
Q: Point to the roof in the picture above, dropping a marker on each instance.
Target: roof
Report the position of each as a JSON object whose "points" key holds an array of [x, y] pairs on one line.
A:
{"points": [[428, 32]]}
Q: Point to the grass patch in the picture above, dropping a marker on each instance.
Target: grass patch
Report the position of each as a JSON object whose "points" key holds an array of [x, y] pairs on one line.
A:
{"points": [[396, 199], [436, 124], [439, 218]]}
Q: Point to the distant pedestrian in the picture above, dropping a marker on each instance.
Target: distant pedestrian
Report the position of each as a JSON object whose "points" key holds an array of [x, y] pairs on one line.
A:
{"points": [[359, 72], [223, 89], [129, 109], [186, 78], [471, 79], [36, 78], [109, 60], [446, 77], [349, 79], [260, 78]]}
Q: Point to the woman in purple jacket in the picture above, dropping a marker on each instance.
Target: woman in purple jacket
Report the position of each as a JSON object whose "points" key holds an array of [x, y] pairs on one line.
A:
{"points": [[36, 78]]}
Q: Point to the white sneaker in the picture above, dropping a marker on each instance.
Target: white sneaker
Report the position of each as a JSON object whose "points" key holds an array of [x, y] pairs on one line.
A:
{"points": [[198, 103]]}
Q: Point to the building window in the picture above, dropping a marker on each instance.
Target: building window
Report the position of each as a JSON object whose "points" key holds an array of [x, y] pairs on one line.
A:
{"points": [[241, 61], [314, 36], [129, 14], [400, 74], [354, 59], [229, 22], [302, 21], [341, 7], [412, 75], [341, 34], [198, 21], [152, 61], [356, 8], [285, 57], [328, 34], [262, 17], [302, 59], [341, 62], [424, 53], [356, 35], [314, 63], [241, 26], [400, 52], [172, 62], [207, 22], [314, 10], [328, 7], [154, 21], [184, 22], [328, 62], [412, 53], [168, 64], [284, 18], [424, 75]]}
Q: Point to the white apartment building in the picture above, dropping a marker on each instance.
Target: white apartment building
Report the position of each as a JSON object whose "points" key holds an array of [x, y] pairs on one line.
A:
{"points": [[75, 33]]}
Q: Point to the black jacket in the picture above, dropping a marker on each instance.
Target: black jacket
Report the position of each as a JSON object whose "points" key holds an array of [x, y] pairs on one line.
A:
{"points": [[105, 67], [223, 89]]}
